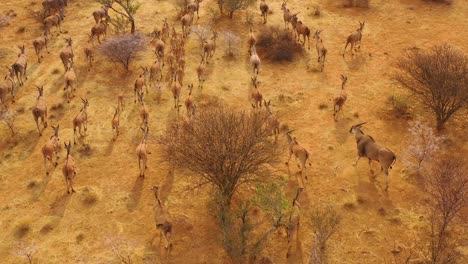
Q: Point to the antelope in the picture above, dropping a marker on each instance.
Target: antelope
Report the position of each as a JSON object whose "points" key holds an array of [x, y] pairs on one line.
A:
{"points": [[101, 13], [144, 112], [339, 100], [273, 121], [156, 72], [98, 30], [368, 148], [160, 47], [252, 39], [255, 60], [116, 122], [165, 29], [201, 72], [195, 7], [120, 102], [39, 44], [301, 29], [209, 48], [51, 147], [255, 94], [20, 66], [89, 52], [264, 10], [287, 15], [81, 120], [69, 169], [163, 219], [50, 5], [294, 222], [175, 89], [186, 21], [142, 152], [8, 85], [70, 81], [140, 82], [180, 75], [53, 21], [321, 50], [40, 109], [189, 102], [300, 153], [355, 38], [67, 54]]}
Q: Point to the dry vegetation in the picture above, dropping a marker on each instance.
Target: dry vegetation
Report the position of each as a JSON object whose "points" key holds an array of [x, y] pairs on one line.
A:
{"points": [[164, 171]]}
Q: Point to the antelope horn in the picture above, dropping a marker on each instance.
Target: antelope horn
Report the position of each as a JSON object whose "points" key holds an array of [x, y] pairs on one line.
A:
{"points": [[361, 124], [290, 131]]}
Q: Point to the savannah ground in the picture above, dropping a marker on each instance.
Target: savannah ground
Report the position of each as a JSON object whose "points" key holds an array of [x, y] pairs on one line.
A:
{"points": [[112, 202]]}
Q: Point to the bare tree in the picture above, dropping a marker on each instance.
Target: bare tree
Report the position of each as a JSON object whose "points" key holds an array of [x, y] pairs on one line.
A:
{"points": [[26, 250], [447, 186], [423, 145], [224, 147], [325, 223], [202, 34], [438, 77], [122, 250], [231, 43], [7, 116], [122, 49], [129, 7]]}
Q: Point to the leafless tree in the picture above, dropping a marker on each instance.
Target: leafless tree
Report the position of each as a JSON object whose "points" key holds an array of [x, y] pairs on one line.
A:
{"points": [[7, 116], [231, 43], [438, 77], [122, 250], [128, 9], [224, 147], [26, 250], [122, 49], [325, 222], [202, 34], [447, 186]]}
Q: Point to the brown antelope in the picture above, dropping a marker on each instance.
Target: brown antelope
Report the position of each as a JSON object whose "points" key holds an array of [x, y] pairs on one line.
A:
{"points": [[89, 52], [209, 48], [287, 15], [142, 152], [140, 82], [68, 169], [368, 148], [301, 29], [189, 102], [66, 54], [51, 147], [120, 101], [54, 5], [255, 60], [53, 21], [159, 47], [255, 94], [144, 112], [300, 153], [40, 109], [162, 219], [98, 30], [187, 21], [156, 72], [273, 121], [294, 223], [321, 50], [252, 39], [339, 101], [116, 122], [101, 13], [70, 81], [39, 44], [264, 9], [201, 69], [165, 29], [81, 120], [355, 38], [20, 66], [175, 89], [195, 7], [8, 86]]}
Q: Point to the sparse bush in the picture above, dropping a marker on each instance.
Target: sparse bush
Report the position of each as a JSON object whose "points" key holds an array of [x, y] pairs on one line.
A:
{"points": [[400, 104], [7, 116], [438, 78], [201, 33], [278, 44], [325, 223], [423, 145], [4, 20], [226, 148], [447, 186], [26, 250], [120, 25], [181, 7], [122, 49], [234, 5], [122, 250], [231, 42]]}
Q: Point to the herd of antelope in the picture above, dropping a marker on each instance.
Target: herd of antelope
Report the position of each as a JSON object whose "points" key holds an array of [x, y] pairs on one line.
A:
{"points": [[169, 52]]}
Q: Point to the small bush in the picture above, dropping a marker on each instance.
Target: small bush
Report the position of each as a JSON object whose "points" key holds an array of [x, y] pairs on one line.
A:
{"points": [[399, 104], [278, 44], [22, 230]]}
